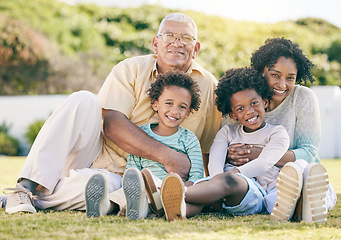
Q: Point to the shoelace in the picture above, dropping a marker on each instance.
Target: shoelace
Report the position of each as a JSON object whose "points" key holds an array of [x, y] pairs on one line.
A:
{"points": [[22, 193]]}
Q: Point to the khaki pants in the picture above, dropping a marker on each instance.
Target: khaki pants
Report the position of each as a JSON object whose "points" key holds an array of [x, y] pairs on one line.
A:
{"points": [[69, 193], [66, 146]]}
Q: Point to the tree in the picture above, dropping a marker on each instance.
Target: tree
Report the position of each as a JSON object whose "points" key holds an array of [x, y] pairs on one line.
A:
{"points": [[24, 57]]}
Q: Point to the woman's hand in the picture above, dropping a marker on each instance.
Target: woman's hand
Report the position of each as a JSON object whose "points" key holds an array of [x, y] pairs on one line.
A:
{"points": [[240, 153]]}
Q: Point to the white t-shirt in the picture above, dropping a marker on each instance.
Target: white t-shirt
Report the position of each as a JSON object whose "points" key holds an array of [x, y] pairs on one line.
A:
{"points": [[299, 114], [273, 139]]}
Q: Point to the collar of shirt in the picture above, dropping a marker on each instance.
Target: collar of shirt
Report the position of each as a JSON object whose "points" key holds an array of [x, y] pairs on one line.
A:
{"points": [[194, 67]]}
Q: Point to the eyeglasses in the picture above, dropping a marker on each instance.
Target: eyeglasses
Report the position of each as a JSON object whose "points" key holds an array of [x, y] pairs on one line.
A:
{"points": [[171, 37]]}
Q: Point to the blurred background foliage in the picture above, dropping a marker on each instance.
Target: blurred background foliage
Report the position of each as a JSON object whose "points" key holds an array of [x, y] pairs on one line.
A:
{"points": [[8, 145], [49, 47]]}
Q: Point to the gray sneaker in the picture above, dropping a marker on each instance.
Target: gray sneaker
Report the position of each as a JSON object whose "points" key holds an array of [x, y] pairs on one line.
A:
{"points": [[19, 200], [135, 192], [96, 196], [3, 200]]}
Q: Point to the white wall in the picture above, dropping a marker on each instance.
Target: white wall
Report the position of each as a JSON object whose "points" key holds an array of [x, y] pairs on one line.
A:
{"points": [[21, 111], [329, 98]]}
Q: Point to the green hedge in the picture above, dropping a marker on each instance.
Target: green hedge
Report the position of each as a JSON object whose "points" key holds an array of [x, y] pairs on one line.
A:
{"points": [[8, 145], [33, 131]]}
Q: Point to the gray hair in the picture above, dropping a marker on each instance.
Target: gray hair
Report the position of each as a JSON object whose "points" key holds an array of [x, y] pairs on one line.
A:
{"points": [[179, 17]]}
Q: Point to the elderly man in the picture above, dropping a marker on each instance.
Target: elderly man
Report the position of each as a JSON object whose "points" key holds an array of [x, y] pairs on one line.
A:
{"points": [[89, 134]]}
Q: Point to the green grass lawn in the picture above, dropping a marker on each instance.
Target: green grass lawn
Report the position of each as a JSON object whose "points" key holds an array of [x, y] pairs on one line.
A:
{"points": [[75, 224]]}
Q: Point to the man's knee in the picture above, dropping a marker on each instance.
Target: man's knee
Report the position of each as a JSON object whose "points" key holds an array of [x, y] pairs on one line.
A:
{"points": [[84, 100], [82, 97]]}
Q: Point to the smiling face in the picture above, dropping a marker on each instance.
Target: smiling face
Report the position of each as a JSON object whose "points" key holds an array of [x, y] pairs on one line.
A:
{"points": [[249, 109], [173, 107], [172, 56], [281, 78]]}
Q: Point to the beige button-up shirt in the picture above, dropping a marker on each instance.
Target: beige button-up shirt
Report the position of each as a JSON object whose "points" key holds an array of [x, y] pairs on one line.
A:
{"points": [[125, 90]]}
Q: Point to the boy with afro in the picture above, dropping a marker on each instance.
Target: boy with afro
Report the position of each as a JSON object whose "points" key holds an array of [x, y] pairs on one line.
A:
{"points": [[243, 94]]}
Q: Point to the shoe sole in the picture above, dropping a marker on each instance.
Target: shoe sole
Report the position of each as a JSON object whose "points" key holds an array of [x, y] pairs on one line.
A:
{"points": [[21, 208], [95, 192], [153, 194], [134, 190], [289, 186], [172, 191], [314, 194]]}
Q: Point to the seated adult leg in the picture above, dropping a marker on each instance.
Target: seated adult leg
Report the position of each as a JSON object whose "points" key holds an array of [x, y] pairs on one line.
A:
{"points": [[70, 192], [70, 139]]}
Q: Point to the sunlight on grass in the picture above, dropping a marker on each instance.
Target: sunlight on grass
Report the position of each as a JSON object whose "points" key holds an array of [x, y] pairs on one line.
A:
{"points": [[10, 170], [75, 224], [333, 167]]}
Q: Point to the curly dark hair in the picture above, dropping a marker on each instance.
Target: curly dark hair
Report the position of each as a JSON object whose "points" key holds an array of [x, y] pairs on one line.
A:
{"points": [[274, 48], [178, 79], [236, 80]]}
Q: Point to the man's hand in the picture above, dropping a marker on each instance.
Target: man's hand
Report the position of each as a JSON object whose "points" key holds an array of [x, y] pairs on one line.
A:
{"points": [[178, 163], [238, 154]]}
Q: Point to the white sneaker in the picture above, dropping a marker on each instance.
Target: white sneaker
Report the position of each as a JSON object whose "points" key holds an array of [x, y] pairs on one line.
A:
{"points": [[315, 186], [19, 200], [173, 197], [96, 196], [135, 192], [153, 192], [289, 185]]}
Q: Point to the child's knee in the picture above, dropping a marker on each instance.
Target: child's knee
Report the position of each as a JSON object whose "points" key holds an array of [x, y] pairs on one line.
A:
{"points": [[231, 180], [228, 181], [235, 187]]}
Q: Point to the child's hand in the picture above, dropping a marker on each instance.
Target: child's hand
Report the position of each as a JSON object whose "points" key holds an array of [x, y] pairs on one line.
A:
{"points": [[188, 183], [238, 154]]}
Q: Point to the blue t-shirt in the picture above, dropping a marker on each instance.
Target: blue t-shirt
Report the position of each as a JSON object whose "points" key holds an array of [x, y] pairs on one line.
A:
{"points": [[182, 141]]}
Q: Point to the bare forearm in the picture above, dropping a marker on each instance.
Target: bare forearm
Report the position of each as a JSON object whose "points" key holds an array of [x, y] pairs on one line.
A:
{"points": [[131, 138], [289, 156]]}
